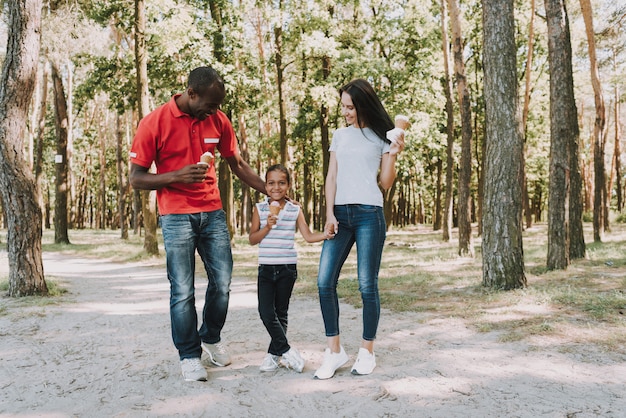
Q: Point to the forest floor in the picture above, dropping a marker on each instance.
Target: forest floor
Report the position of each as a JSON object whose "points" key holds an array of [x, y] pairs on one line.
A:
{"points": [[103, 349]]}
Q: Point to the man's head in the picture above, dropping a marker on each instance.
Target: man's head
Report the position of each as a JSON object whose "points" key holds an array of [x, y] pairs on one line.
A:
{"points": [[205, 91]]}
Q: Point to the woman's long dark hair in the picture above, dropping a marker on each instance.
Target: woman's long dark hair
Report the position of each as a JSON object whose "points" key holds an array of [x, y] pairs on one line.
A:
{"points": [[369, 110]]}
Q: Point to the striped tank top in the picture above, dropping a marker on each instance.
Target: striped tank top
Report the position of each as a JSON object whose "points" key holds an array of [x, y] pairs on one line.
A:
{"points": [[278, 245]]}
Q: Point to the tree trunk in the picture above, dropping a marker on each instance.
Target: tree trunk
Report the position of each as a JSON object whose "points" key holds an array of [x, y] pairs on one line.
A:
{"points": [[282, 119], [39, 136], [617, 151], [122, 179], [526, 108], [503, 255], [438, 191], [465, 170], [599, 197], [562, 130], [17, 183], [60, 159], [450, 164], [148, 197]]}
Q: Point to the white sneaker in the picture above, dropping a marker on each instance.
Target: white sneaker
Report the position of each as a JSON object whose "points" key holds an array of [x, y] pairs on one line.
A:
{"points": [[365, 362], [270, 363], [193, 370], [217, 353], [332, 361], [293, 360]]}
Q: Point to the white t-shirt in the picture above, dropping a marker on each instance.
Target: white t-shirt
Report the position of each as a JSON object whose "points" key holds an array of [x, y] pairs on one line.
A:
{"points": [[358, 153]]}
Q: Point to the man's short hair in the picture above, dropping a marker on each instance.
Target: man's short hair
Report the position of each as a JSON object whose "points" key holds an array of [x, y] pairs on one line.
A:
{"points": [[202, 78]]}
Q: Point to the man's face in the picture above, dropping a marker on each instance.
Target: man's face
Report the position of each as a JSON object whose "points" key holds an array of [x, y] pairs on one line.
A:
{"points": [[207, 103]]}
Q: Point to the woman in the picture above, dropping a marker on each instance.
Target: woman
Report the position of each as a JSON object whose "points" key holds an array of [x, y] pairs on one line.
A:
{"points": [[360, 158]]}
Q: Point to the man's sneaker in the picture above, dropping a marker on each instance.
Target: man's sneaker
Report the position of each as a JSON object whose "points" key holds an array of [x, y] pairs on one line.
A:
{"points": [[332, 361], [293, 360], [365, 362], [217, 353], [193, 370], [270, 363]]}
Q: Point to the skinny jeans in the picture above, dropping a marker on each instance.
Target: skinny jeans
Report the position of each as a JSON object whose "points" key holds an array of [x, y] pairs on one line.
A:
{"points": [[275, 284], [365, 226]]}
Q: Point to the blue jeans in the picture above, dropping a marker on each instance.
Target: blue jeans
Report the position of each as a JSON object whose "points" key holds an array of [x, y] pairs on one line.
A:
{"points": [[275, 284], [207, 233], [365, 226]]}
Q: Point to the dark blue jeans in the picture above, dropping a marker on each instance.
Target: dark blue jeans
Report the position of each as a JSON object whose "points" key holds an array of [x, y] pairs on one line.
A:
{"points": [[183, 235], [365, 226], [275, 284]]}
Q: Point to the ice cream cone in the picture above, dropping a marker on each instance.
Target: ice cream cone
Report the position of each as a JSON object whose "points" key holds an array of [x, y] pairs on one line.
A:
{"points": [[206, 158], [275, 208], [402, 122]]}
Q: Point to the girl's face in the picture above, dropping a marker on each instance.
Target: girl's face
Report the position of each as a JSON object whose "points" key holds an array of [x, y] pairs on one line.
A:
{"points": [[348, 111], [276, 185]]}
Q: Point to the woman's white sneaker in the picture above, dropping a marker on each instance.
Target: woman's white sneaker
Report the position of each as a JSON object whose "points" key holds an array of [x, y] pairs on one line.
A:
{"points": [[332, 361], [365, 362]]}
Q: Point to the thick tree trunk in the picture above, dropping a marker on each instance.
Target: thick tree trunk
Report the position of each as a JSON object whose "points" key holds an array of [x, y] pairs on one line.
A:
{"points": [[503, 256], [563, 128], [465, 170], [450, 163], [61, 122], [148, 197], [17, 183]]}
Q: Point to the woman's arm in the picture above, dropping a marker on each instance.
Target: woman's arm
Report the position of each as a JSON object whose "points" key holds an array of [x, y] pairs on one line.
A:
{"points": [[388, 163]]}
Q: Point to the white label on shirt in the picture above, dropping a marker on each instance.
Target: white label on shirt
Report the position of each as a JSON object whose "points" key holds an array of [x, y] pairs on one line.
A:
{"points": [[133, 154], [211, 140]]}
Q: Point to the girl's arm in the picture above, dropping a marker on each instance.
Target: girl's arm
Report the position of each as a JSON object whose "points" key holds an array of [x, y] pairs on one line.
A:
{"points": [[388, 163], [256, 233], [304, 229]]}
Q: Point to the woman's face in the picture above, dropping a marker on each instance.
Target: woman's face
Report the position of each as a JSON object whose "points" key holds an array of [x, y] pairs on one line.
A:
{"points": [[348, 111]]}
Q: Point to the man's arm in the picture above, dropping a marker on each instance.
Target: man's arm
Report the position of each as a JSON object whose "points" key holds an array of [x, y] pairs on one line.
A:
{"points": [[245, 173], [141, 179]]}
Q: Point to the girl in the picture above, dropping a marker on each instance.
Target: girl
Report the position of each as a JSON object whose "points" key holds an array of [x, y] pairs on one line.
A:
{"points": [[360, 158], [277, 264]]}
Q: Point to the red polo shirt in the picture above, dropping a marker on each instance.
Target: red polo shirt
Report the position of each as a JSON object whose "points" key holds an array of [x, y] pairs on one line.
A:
{"points": [[173, 139]]}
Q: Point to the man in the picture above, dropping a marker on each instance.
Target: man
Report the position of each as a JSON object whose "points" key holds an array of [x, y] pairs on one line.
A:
{"points": [[174, 136]]}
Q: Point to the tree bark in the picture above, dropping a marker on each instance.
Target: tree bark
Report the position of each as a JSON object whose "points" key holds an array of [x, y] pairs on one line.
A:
{"points": [[563, 127], [465, 170], [17, 183], [122, 178], [148, 197], [61, 122], [503, 255], [448, 203], [600, 195], [526, 108]]}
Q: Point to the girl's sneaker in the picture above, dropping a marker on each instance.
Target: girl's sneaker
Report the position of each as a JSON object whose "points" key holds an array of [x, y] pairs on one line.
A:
{"points": [[293, 360], [270, 363]]}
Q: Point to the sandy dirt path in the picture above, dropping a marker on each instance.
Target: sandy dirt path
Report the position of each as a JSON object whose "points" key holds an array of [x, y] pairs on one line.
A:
{"points": [[104, 350]]}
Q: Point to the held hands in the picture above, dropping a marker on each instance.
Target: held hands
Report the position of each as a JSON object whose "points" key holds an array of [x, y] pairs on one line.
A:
{"points": [[331, 227]]}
